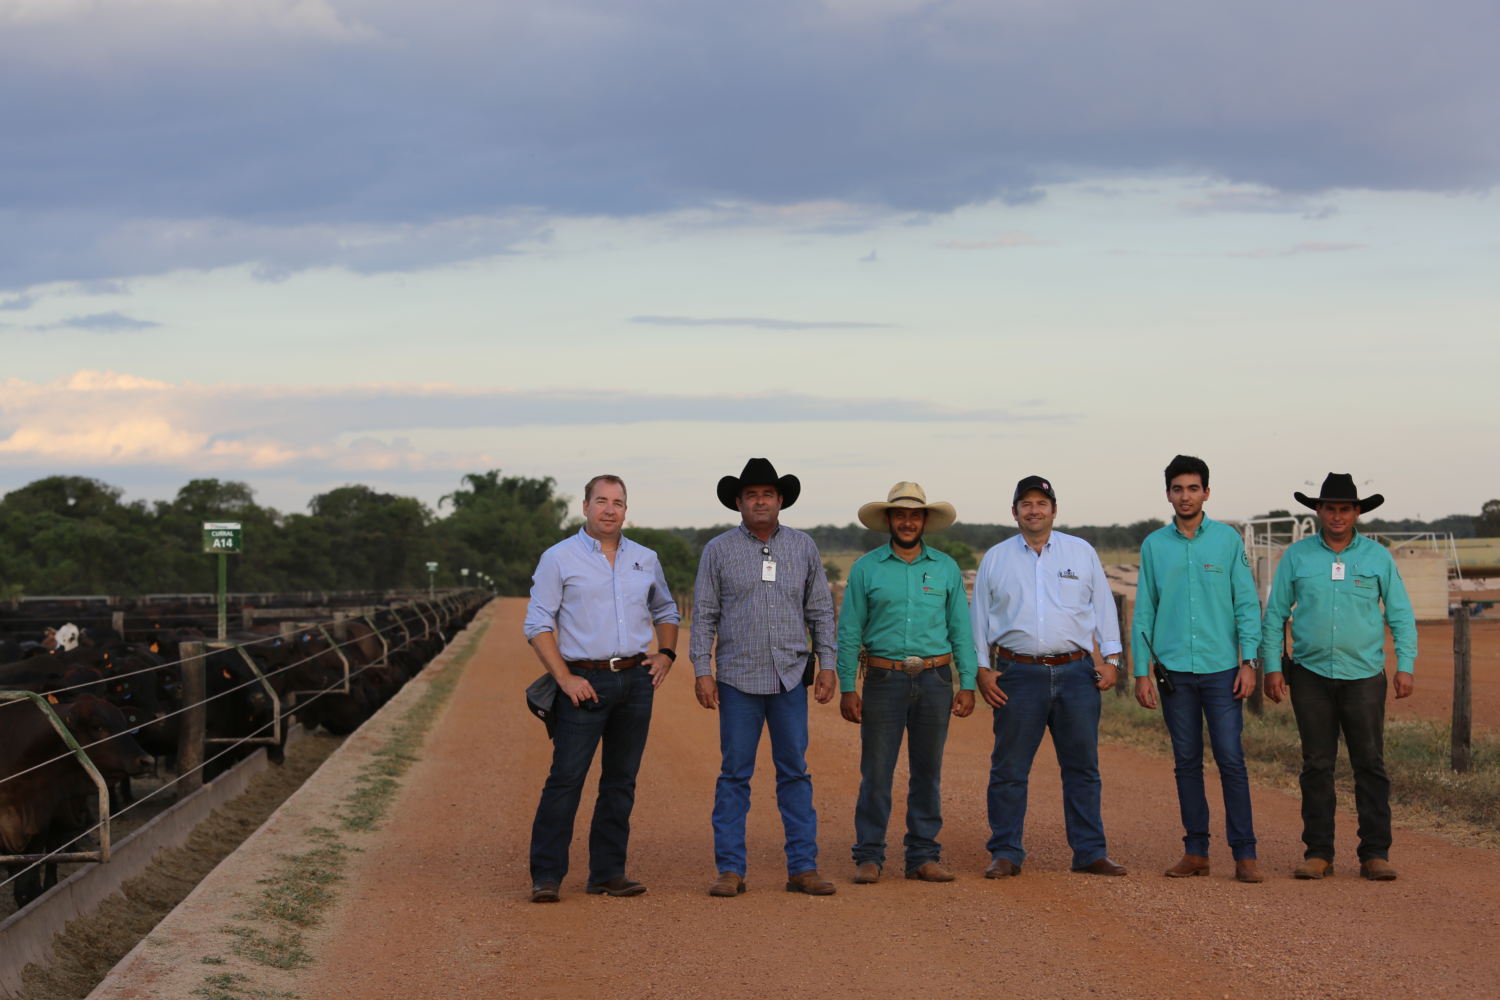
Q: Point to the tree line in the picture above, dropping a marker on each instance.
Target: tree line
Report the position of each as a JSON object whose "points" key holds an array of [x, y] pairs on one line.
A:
{"points": [[76, 535]]}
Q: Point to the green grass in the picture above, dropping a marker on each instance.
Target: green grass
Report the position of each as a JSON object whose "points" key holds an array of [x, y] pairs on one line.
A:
{"points": [[298, 895], [1424, 788]]}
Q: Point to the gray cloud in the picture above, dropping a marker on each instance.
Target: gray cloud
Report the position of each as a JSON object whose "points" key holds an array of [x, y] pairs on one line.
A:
{"points": [[762, 322], [105, 322], [18, 303], [391, 136]]}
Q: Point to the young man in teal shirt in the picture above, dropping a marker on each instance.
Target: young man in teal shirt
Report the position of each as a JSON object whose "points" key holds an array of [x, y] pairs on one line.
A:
{"points": [[905, 616], [1346, 592], [1196, 607]]}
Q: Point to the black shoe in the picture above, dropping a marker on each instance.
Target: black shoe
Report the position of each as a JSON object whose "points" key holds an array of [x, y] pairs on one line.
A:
{"points": [[621, 886], [544, 892]]}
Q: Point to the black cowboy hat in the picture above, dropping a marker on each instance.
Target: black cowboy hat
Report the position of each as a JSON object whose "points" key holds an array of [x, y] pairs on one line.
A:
{"points": [[1339, 488], [759, 472]]}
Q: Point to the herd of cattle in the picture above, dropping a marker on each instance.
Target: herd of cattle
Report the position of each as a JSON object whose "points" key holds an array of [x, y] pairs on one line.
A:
{"points": [[122, 700]]}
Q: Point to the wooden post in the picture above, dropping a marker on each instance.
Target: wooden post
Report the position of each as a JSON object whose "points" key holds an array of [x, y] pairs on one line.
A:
{"points": [[1463, 693], [190, 736], [117, 622], [247, 616], [288, 629], [341, 625]]}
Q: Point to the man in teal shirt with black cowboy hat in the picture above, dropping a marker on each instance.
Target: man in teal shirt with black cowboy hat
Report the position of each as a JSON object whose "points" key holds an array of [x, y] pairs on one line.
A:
{"points": [[1346, 593], [906, 620]]}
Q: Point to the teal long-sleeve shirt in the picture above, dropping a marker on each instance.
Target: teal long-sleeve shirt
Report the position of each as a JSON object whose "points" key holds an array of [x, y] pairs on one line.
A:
{"points": [[1338, 629], [896, 609], [1195, 599]]}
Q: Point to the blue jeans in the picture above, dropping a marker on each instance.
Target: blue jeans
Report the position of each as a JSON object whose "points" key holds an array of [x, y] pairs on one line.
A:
{"points": [[1196, 698], [896, 704], [1325, 707], [1063, 699], [741, 718], [621, 722]]}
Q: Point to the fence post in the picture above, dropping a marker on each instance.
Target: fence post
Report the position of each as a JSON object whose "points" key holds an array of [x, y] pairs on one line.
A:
{"points": [[117, 622], [247, 616], [288, 629], [1463, 693], [340, 625], [190, 736]]}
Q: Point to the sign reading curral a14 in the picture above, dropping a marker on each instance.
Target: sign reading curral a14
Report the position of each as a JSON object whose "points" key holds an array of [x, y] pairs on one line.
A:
{"points": [[223, 536]]}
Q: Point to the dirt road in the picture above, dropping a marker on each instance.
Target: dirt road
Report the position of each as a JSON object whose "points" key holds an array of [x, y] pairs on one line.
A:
{"points": [[437, 907]]}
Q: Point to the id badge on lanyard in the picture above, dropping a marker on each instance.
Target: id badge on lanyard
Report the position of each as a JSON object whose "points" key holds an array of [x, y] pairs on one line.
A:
{"points": [[767, 565], [1338, 571]]}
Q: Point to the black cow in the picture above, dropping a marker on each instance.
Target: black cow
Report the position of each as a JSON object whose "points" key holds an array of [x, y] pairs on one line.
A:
{"points": [[44, 808]]}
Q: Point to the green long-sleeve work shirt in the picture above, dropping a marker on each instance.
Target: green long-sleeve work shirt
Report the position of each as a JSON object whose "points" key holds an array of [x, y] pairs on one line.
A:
{"points": [[1195, 600], [1338, 629], [896, 609]]}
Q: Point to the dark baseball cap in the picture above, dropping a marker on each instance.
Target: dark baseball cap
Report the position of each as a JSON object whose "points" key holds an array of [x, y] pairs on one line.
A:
{"points": [[1033, 483]]}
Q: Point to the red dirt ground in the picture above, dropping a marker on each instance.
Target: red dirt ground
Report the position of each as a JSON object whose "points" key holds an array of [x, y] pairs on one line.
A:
{"points": [[437, 907]]}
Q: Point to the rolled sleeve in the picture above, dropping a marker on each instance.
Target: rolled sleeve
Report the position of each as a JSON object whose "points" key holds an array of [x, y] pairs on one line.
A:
{"points": [[663, 607], [1106, 618], [546, 598]]}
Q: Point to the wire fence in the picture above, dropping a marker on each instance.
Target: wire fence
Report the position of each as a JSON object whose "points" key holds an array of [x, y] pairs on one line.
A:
{"points": [[396, 624]]}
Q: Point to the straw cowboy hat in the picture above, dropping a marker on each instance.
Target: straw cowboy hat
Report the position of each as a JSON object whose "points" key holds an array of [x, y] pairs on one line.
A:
{"points": [[759, 472], [1339, 488], [913, 497]]}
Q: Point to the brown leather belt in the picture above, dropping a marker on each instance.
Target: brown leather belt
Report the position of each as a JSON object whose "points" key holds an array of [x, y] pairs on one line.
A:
{"points": [[911, 665], [614, 663], [1051, 661]]}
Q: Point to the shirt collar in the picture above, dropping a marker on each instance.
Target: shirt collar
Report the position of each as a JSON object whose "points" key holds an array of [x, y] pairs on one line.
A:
{"points": [[593, 543], [888, 551], [1353, 542], [745, 530], [1201, 525]]}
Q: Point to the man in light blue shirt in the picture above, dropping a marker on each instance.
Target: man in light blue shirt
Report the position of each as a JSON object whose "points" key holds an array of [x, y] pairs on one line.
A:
{"points": [[1196, 609], [596, 600], [1346, 592], [1041, 604]]}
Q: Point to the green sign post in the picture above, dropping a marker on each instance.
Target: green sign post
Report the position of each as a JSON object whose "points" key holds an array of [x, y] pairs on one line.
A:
{"points": [[223, 538]]}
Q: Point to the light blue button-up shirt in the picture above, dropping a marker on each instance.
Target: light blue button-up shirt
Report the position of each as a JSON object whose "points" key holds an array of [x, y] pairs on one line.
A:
{"points": [[596, 610], [1042, 605]]}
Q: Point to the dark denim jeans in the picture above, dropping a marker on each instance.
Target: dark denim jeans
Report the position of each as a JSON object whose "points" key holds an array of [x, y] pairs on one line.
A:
{"points": [[1196, 698], [1063, 699], [621, 722], [1324, 707], [895, 704], [741, 718]]}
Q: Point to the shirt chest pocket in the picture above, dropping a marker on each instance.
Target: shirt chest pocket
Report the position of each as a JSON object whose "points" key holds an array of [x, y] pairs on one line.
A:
{"points": [[1072, 592], [933, 592], [1365, 586], [635, 586]]}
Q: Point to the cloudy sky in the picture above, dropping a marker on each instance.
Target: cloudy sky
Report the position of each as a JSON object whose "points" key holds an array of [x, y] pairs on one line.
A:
{"points": [[310, 242]]}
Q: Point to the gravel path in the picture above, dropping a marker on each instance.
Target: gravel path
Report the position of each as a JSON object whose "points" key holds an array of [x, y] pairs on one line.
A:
{"points": [[435, 904]]}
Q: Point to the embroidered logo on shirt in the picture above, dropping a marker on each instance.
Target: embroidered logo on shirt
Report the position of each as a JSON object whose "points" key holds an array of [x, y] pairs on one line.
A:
{"points": [[1211, 568], [1067, 574]]}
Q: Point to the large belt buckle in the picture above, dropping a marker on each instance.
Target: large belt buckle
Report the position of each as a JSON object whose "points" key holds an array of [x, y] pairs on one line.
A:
{"points": [[913, 665], [612, 661]]}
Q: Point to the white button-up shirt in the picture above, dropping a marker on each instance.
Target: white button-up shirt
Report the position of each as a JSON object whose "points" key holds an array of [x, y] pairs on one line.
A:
{"points": [[1043, 605]]}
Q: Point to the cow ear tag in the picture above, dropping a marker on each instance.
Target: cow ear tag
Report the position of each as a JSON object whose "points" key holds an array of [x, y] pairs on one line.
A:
{"points": [[52, 699]]}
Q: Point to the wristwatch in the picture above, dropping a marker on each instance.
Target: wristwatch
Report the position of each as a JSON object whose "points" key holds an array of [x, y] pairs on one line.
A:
{"points": [[1113, 660]]}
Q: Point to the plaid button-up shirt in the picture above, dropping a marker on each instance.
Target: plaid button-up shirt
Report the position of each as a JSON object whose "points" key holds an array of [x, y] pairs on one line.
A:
{"points": [[762, 626]]}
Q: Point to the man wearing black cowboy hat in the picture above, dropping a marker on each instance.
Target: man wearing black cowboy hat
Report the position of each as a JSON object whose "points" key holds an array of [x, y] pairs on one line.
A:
{"points": [[760, 591], [906, 621], [1346, 592]]}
